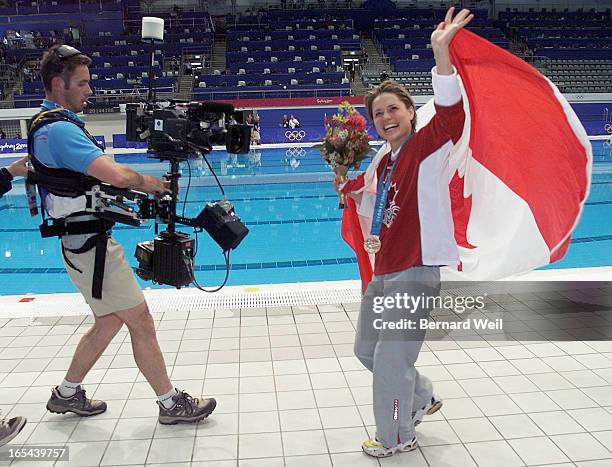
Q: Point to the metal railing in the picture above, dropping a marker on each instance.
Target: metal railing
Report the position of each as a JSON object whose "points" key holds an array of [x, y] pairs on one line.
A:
{"points": [[28, 4], [220, 94], [171, 24], [123, 96], [306, 5], [98, 101]]}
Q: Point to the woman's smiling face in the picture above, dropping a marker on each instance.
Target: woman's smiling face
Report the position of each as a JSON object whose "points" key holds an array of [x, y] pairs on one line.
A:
{"points": [[392, 119]]}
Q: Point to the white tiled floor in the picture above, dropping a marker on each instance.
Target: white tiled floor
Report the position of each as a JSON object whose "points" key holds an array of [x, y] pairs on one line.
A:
{"points": [[291, 394]]}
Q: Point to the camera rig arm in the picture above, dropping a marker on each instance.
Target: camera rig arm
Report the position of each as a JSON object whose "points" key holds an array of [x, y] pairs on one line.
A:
{"points": [[217, 218], [109, 202]]}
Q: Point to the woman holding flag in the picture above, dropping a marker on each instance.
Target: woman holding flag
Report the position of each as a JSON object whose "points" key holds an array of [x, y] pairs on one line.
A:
{"points": [[411, 237], [493, 185]]}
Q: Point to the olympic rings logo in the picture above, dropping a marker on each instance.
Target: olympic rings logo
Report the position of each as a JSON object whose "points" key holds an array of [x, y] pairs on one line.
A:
{"points": [[608, 127], [295, 152], [295, 135]]}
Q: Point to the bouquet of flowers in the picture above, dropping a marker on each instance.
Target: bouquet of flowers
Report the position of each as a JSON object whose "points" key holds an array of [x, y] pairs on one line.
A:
{"points": [[346, 142]]}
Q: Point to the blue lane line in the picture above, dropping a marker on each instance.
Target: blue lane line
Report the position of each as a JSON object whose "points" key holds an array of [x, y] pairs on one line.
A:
{"points": [[266, 265], [595, 203], [599, 238], [210, 267], [251, 223], [273, 222], [119, 227], [234, 200], [284, 198]]}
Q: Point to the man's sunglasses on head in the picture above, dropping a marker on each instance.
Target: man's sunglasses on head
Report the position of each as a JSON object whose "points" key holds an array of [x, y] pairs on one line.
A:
{"points": [[64, 52]]}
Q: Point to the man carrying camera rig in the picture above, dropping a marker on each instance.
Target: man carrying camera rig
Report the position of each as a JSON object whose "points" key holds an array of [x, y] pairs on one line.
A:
{"points": [[67, 161]]}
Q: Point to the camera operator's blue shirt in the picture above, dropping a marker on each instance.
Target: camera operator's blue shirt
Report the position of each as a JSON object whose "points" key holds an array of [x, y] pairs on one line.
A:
{"points": [[63, 145]]}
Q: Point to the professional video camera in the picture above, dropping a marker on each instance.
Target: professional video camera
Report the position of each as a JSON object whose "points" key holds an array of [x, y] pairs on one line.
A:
{"points": [[181, 130]]}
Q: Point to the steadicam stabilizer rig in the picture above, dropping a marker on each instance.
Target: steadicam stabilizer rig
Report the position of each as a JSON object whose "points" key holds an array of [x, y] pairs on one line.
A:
{"points": [[175, 132], [169, 258]]}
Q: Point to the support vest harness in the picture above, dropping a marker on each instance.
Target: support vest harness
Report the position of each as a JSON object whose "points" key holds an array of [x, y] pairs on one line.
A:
{"points": [[68, 183]]}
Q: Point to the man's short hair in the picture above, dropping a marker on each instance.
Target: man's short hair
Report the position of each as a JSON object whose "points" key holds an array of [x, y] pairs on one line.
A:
{"points": [[61, 60]]}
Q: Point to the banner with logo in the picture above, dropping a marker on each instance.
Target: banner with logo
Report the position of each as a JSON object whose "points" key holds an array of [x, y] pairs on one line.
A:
{"points": [[12, 146], [306, 134], [279, 103], [311, 127]]}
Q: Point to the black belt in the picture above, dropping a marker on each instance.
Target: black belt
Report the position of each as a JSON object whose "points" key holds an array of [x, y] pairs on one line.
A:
{"points": [[59, 227]]}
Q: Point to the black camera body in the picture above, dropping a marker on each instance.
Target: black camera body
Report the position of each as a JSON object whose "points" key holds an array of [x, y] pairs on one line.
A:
{"points": [[179, 132], [167, 259], [222, 224], [182, 130]]}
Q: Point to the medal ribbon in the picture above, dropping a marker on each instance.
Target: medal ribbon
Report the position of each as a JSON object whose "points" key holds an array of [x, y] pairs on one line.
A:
{"points": [[382, 192]]}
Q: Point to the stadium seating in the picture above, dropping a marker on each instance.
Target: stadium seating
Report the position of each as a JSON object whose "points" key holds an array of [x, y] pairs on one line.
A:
{"points": [[572, 48], [300, 52], [405, 39], [272, 55]]}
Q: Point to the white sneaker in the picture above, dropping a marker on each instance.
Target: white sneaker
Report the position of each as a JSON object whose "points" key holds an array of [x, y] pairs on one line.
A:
{"points": [[376, 449], [431, 407]]}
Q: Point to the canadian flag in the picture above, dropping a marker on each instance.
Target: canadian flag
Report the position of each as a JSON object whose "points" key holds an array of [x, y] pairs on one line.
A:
{"points": [[519, 175]]}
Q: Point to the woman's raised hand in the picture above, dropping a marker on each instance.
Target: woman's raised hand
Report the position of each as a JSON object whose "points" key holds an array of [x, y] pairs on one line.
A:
{"points": [[446, 30]]}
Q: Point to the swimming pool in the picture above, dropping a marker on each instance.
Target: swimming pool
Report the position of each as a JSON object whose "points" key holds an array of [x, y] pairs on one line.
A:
{"points": [[285, 198]]}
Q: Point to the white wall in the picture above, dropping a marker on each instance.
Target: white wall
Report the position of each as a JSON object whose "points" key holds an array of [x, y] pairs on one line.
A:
{"points": [[97, 124], [105, 124]]}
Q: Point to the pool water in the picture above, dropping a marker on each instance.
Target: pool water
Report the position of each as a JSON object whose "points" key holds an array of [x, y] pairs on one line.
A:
{"points": [[285, 198]]}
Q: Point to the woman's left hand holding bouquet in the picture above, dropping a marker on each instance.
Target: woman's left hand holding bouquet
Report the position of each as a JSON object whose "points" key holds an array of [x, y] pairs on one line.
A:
{"points": [[338, 184], [345, 145]]}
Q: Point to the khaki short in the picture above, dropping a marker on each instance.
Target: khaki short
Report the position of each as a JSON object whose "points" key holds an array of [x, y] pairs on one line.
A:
{"points": [[120, 290]]}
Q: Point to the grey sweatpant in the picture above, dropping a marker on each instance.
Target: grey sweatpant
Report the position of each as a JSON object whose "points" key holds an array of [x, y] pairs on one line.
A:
{"points": [[399, 389]]}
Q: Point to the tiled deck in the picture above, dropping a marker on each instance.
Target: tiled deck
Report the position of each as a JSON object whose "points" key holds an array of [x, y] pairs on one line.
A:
{"points": [[292, 394]]}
